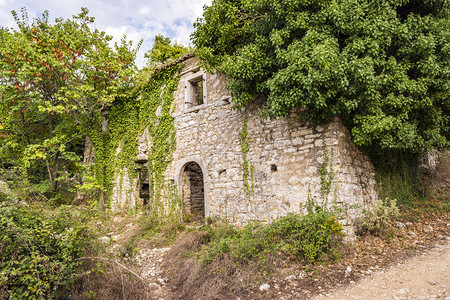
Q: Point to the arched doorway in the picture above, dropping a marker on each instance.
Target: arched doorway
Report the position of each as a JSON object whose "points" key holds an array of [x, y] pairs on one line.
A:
{"points": [[193, 191]]}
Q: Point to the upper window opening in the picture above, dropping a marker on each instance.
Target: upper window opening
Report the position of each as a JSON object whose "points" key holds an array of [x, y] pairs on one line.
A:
{"points": [[195, 90]]}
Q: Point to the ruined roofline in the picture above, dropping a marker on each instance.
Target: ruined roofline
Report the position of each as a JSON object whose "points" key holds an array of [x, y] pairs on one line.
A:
{"points": [[176, 61]]}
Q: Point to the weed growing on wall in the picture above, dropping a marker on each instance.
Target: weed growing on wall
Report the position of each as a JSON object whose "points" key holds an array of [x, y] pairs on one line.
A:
{"points": [[247, 167], [326, 172]]}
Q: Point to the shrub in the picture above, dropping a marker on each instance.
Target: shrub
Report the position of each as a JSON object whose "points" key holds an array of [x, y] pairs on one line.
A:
{"points": [[313, 237], [38, 250], [375, 221], [307, 237]]}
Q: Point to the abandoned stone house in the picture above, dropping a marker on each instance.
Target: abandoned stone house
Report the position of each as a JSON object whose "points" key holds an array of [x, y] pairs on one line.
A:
{"points": [[237, 165]]}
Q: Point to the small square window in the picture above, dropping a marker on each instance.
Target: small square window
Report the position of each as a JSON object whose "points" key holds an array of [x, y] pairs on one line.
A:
{"points": [[195, 90]]}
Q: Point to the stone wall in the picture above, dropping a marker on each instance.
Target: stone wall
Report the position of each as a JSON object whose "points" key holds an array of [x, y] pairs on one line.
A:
{"points": [[284, 156]]}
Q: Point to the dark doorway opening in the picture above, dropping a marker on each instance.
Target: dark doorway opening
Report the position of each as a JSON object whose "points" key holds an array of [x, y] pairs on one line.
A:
{"points": [[193, 191]]}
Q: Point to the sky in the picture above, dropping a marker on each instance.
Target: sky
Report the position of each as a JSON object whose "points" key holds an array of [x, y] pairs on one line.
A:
{"points": [[136, 19]]}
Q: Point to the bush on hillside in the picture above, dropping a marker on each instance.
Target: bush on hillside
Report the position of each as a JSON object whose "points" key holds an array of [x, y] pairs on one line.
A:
{"points": [[39, 248]]}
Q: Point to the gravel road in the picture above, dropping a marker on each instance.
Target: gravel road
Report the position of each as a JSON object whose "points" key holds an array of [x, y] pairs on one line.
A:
{"points": [[421, 277]]}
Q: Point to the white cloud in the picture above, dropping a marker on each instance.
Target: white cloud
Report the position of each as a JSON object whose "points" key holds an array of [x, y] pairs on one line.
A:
{"points": [[135, 18]]}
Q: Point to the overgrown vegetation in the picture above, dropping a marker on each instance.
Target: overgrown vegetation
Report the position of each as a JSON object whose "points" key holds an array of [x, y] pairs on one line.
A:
{"points": [[155, 119], [382, 66], [312, 237], [146, 113], [61, 83], [54, 252], [39, 248], [115, 149]]}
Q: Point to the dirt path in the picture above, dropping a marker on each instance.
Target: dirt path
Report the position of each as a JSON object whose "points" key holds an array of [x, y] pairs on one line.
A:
{"points": [[421, 277]]}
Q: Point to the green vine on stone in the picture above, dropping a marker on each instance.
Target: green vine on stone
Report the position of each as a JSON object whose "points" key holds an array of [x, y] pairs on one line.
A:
{"points": [[247, 167], [147, 110], [326, 172], [115, 148], [156, 105]]}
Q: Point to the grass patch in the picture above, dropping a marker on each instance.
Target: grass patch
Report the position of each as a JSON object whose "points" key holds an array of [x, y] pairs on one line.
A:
{"points": [[402, 182]]}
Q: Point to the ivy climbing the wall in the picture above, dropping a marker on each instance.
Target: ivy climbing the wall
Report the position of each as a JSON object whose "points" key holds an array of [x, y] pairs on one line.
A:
{"points": [[115, 148], [147, 111], [156, 106], [326, 172]]}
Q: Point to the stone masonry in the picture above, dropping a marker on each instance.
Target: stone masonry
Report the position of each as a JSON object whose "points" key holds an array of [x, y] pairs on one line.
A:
{"points": [[284, 157]]}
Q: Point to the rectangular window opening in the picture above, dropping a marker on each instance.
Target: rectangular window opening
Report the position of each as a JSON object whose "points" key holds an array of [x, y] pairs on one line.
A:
{"points": [[197, 92]]}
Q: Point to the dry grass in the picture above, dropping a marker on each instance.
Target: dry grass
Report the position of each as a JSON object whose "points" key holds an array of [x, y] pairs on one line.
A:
{"points": [[105, 278], [192, 279]]}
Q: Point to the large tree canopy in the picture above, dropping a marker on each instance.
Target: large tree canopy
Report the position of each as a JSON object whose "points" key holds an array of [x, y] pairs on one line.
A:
{"points": [[382, 66], [54, 79]]}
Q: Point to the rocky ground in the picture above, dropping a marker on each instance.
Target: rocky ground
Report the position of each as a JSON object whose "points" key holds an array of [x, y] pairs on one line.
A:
{"points": [[150, 261]]}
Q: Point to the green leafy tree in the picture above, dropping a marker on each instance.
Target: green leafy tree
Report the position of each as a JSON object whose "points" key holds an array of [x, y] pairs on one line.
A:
{"points": [[54, 80], [163, 50], [382, 66]]}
